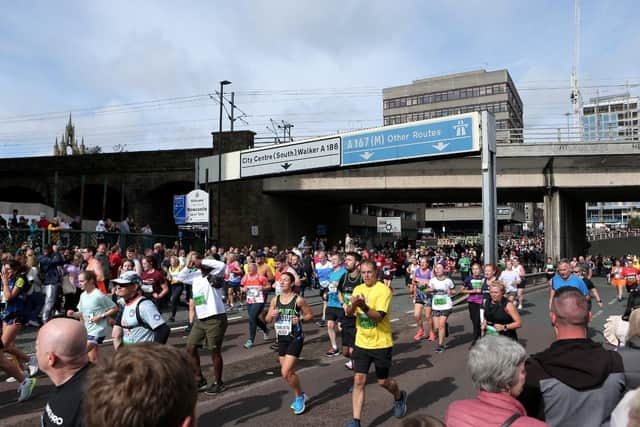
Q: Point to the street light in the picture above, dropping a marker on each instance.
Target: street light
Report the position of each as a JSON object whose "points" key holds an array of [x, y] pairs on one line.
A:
{"points": [[223, 83]]}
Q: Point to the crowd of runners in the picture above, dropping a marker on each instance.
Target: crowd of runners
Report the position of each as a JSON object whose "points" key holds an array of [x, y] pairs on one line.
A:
{"points": [[134, 297]]}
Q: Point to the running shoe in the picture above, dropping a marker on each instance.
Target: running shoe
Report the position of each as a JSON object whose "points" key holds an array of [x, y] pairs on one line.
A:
{"points": [[215, 389], [321, 323], [298, 404], [332, 352], [619, 299], [248, 344], [349, 365], [432, 336], [519, 307], [354, 423], [32, 365], [25, 389], [202, 385], [400, 405], [418, 335], [265, 334], [188, 328], [439, 349]]}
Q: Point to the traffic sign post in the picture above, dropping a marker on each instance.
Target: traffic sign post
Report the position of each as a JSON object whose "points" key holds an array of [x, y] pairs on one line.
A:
{"points": [[180, 209], [428, 138], [489, 208], [290, 158]]}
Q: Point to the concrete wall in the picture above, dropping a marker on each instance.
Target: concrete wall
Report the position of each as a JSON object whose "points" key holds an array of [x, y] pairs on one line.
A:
{"points": [[614, 247]]}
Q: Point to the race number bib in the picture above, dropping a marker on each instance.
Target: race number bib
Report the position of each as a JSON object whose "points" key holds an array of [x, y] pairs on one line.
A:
{"points": [[324, 284], [333, 287], [283, 327], [440, 302], [366, 322], [199, 299], [491, 331], [276, 287], [346, 298], [254, 295], [476, 283]]}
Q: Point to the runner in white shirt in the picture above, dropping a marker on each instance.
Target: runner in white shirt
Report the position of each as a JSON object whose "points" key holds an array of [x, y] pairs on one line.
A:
{"points": [[442, 288], [511, 279], [210, 324], [323, 269]]}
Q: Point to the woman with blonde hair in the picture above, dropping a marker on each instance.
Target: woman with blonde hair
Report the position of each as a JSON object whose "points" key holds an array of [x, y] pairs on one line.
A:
{"points": [[500, 315]]}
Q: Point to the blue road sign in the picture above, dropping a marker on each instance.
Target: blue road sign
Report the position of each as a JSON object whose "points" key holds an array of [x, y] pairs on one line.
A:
{"points": [[429, 138], [180, 209]]}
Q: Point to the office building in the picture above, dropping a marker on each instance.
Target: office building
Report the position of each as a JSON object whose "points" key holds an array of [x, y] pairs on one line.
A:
{"points": [[442, 96], [611, 118]]}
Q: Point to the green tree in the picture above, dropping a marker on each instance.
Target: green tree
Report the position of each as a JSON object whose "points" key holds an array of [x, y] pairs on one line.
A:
{"points": [[634, 222]]}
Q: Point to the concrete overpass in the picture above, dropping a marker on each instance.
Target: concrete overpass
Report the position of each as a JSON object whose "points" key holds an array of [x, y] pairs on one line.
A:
{"points": [[563, 176]]}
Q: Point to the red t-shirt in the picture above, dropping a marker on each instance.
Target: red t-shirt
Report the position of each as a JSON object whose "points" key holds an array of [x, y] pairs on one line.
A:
{"points": [[630, 275], [157, 277], [115, 261]]}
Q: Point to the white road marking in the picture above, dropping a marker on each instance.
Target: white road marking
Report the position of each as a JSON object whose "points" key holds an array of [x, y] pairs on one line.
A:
{"points": [[394, 320], [413, 325], [597, 313], [409, 312], [234, 318], [612, 301]]}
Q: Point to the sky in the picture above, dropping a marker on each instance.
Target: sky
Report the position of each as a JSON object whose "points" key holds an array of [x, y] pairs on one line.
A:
{"points": [[139, 75]]}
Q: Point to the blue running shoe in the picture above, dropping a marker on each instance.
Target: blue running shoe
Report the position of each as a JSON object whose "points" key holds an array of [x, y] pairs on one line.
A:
{"points": [[298, 405], [400, 405]]}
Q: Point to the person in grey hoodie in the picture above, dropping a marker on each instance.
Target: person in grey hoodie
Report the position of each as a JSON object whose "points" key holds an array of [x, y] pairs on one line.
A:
{"points": [[575, 382]]}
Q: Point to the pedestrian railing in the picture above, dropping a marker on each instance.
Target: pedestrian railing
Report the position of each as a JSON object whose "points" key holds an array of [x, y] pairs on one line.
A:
{"points": [[12, 239], [612, 234]]}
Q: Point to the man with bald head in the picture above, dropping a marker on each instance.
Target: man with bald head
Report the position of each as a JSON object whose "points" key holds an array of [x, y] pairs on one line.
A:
{"points": [[575, 381], [61, 349]]}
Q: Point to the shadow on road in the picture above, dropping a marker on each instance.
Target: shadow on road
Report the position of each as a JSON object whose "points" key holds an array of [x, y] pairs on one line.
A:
{"points": [[423, 396], [251, 408]]}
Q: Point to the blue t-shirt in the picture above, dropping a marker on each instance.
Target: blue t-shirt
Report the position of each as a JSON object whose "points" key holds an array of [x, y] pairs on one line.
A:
{"points": [[323, 271], [574, 281], [334, 280]]}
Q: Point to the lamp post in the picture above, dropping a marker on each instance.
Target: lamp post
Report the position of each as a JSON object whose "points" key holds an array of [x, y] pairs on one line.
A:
{"points": [[223, 83]]}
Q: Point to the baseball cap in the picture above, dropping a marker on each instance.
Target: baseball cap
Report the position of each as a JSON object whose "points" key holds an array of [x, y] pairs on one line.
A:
{"points": [[127, 278], [259, 254]]}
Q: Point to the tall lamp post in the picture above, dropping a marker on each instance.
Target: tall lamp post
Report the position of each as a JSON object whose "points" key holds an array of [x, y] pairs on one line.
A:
{"points": [[223, 83]]}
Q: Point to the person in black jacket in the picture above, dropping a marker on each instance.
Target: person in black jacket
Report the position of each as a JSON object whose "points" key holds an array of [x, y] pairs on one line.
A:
{"points": [[575, 381], [50, 262]]}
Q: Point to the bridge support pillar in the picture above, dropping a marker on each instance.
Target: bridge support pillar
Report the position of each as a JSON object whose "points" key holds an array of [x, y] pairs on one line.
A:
{"points": [[564, 225]]}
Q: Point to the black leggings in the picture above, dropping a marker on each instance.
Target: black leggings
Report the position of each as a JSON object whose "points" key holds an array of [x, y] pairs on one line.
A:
{"points": [[176, 291], [474, 314]]}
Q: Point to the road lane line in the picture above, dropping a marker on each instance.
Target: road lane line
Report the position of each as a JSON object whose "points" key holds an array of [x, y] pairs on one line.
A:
{"points": [[413, 325], [235, 318], [598, 313], [409, 312], [612, 301], [394, 320]]}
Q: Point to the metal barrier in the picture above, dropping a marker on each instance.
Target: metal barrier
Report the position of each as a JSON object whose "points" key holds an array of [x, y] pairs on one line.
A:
{"points": [[612, 234], [12, 239], [567, 135]]}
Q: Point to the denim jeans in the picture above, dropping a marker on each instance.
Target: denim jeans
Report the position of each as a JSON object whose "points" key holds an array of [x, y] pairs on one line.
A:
{"points": [[254, 320], [176, 291]]}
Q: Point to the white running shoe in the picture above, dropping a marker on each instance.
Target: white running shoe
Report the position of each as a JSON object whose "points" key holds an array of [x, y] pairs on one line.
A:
{"points": [[519, 307], [33, 365]]}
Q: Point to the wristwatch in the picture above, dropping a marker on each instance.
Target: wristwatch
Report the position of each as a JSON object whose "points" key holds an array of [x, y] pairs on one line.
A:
{"points": [[505, 328]]}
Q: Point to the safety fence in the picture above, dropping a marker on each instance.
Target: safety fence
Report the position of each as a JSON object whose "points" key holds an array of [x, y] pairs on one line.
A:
{"points": [[12, 239]]}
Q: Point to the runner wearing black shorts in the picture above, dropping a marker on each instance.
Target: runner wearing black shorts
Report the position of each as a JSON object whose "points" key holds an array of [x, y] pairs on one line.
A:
{"points": [[370, 304], [347, 284], [287, 311]]}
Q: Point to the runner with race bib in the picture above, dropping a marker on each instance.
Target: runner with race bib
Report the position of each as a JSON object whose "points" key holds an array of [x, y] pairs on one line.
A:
{"points": [[287, 311], [441, 305]]}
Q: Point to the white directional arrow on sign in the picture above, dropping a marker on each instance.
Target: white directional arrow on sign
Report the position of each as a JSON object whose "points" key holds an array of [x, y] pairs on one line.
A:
{"points": [[366, 155], [440, 146]]}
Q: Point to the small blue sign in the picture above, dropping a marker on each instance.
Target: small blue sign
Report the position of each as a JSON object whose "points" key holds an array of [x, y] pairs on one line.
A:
{"points": [[180, 209], [426, 139]]}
